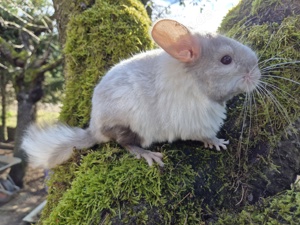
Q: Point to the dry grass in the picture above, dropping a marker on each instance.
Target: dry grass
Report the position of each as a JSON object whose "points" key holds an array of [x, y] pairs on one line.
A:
{"points": [[46, 113]]}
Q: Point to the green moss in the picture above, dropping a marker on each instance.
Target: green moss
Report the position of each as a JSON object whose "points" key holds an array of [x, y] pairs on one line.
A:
{"points": [[98, 38], [110, 186], [97, 192], [59, 180], [258, 5], [281, 209]]}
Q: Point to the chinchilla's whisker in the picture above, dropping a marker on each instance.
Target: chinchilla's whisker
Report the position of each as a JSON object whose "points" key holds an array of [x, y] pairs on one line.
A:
{"points": [[277, 61], [278, 105], [282, 91], [283, 78], [240, 140], [255, 106], [260, 93], [284, 94], [250, 120], [276, 57], [253, 68], [287, 118], [267, 71], [243, 114], [280, 65], [272, 59]]}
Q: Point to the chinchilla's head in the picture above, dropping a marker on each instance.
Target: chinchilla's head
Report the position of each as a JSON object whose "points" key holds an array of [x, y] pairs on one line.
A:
{"points": [[223, 67]]}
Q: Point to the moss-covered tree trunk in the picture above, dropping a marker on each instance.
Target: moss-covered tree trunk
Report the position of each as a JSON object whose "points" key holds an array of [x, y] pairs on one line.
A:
{"points": [[106, 185]]}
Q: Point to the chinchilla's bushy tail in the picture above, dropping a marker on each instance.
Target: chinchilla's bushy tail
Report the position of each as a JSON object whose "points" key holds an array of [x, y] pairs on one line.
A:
{"points": [[48, 146]]}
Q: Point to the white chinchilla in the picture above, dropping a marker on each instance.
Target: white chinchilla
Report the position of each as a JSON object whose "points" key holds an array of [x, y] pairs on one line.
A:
{"points": [[175, 92]]}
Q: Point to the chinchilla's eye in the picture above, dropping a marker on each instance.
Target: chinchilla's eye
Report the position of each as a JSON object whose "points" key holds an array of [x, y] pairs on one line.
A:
{"points": [[226, 60]]}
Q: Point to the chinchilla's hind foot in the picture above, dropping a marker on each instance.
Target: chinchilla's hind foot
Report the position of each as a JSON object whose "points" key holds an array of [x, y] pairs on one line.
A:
{"points": [[146, 154], [218, 143], [131, 140]]}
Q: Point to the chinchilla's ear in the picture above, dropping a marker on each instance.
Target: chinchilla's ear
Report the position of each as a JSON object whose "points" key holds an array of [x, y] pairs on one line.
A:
{"points": [[176, 39]]}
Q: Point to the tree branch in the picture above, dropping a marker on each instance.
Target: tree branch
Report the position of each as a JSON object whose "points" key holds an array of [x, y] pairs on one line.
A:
{"points": [[3, 66], [21, 19], [41, 61], [7, 23], [10, 55], [51, 66]]}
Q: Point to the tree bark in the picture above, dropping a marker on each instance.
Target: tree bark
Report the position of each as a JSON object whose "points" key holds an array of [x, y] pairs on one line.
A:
{"points": [[3, 106], [26, 115]]}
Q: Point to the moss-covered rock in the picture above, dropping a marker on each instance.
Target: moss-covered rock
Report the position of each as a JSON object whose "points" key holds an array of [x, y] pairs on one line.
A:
{"points": [[107, 185]]}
